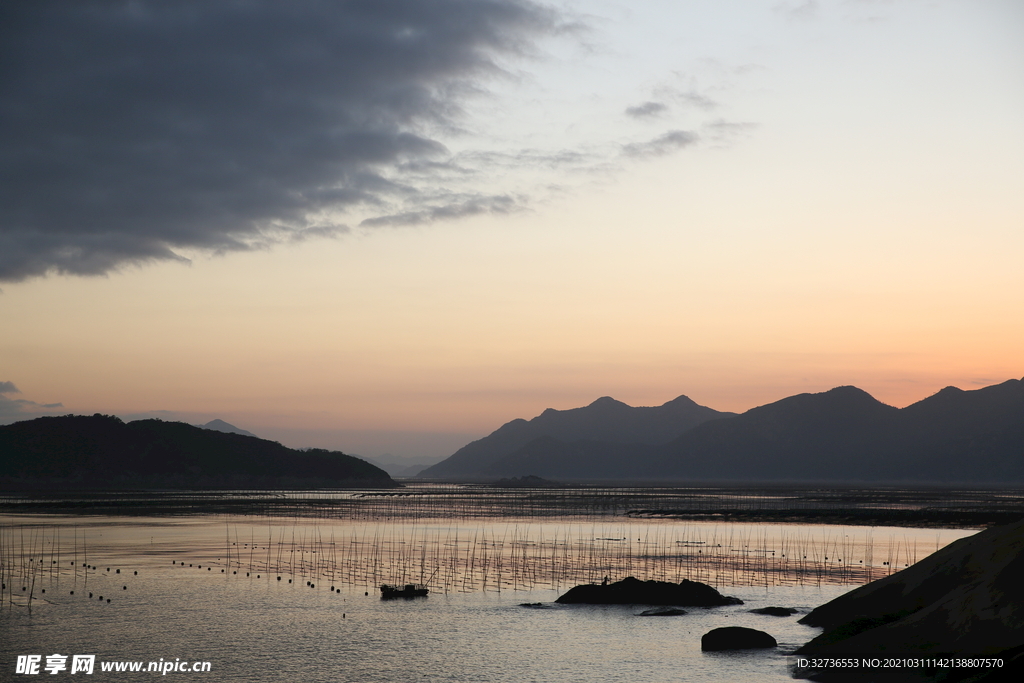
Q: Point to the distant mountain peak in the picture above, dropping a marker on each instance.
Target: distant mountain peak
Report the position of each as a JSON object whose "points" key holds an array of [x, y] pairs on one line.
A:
{"points": [[607, 401], [682, 399], [848, 390], [219, 425]]}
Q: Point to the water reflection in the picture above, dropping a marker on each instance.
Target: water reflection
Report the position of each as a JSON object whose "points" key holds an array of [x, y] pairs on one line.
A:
{"points": [[187, 582]]}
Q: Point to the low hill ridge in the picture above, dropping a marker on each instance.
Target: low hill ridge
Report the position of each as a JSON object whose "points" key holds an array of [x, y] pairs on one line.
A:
{"points": [[102, 452]]}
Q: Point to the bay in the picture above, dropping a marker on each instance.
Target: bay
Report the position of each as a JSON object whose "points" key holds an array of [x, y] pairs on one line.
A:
{"points": [[207, 590]]}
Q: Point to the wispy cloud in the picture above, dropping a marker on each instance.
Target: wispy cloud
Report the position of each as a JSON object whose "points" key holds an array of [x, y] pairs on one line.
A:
{"points": [[646, 110], [666, 143], [798, 9], [455, 209], [727, 132], [13, 409]]}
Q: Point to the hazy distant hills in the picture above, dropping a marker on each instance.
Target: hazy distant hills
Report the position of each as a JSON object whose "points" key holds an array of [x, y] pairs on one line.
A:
{"points": [[395, 466], [102, 452], [219, 425], [835, 436], [605, 421]]}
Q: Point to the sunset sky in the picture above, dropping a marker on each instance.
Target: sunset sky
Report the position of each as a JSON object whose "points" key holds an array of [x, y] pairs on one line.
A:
{"points": [[392, 226]]}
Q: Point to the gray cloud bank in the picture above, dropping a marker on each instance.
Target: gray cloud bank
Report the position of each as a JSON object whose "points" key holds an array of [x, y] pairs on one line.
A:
{"points": [[14, 409], [132, 130]]}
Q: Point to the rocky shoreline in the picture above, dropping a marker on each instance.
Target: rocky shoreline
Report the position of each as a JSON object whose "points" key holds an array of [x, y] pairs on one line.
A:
{"points": [[964, 601]]}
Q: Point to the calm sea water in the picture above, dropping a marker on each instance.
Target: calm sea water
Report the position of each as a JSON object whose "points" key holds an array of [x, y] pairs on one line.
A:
{"points": [[471, 627]]}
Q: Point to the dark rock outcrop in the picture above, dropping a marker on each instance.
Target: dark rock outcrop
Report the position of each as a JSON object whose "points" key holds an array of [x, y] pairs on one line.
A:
{"points": [[736, 638], [632, 591], [775, 611], [966, 599]]}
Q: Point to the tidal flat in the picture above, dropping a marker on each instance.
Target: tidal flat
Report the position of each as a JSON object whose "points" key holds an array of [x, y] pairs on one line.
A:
{"points": [[287, 587]]}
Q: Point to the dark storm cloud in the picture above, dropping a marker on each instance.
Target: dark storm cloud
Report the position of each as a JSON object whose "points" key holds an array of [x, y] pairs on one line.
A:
{"points": [[9, 388], [131, 130]]}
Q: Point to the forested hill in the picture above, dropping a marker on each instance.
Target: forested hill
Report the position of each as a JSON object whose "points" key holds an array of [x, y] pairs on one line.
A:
{"points": [[102, 452]]}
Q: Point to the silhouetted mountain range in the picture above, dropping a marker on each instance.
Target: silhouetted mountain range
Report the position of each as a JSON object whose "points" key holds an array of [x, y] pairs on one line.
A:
{"points": [[102, 452], [841, 435], [605, 420]]}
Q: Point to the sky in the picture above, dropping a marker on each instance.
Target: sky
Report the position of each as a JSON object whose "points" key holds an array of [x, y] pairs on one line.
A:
{"points": [[391, 226]]}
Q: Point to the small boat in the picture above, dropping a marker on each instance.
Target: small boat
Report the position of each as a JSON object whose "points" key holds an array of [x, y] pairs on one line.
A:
{"points": [[409, 590]]}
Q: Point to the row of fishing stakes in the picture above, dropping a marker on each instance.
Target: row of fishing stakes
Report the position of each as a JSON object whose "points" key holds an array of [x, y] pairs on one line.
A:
{"points": [[32, 559], [517, 556], [476, 555]]}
